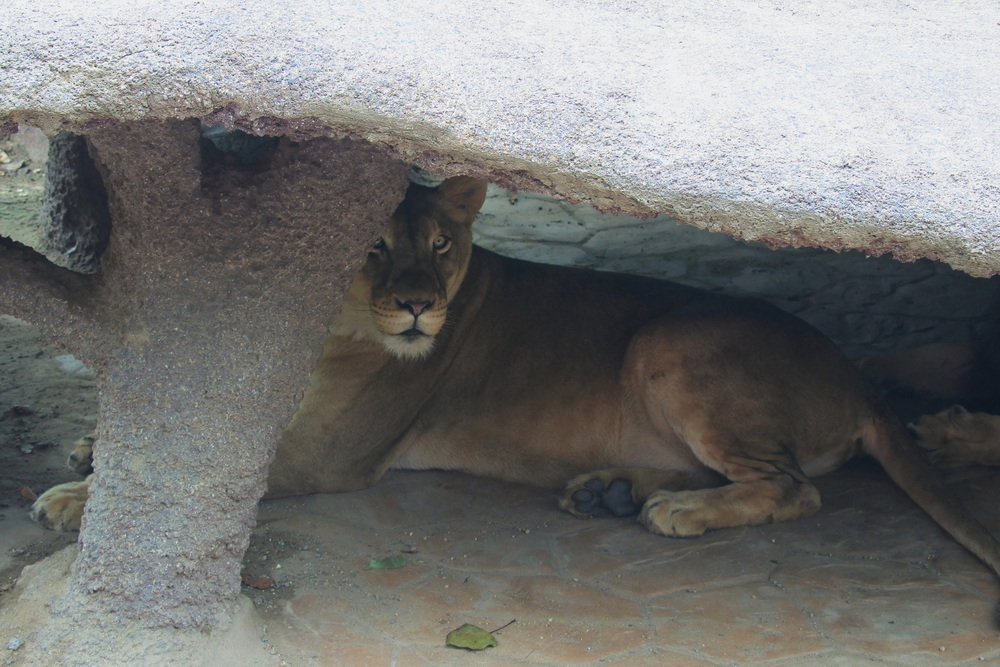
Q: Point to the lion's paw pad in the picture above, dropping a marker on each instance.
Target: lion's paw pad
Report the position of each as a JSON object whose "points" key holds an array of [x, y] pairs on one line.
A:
{"points": [[602, 500]]}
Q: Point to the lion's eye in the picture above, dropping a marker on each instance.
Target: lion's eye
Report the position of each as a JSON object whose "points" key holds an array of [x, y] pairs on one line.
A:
{"points": [[442, 243], [379, 244]]}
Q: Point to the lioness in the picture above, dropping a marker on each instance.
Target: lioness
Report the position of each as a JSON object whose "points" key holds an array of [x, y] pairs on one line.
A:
{"points": [[696, 411]]}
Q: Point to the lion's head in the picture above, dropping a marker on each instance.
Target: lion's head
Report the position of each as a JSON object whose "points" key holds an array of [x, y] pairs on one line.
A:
{"points": [[413, 270]]}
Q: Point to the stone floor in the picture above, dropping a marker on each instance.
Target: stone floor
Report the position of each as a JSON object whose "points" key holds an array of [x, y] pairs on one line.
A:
{"points": [[868, 579]]}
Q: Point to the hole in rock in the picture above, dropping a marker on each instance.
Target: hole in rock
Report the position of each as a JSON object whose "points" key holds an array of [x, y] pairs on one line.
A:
{"points": [[52, 198]]}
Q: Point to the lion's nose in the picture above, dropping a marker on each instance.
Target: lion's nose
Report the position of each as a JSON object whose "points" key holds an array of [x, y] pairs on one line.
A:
{"points": [[415, 307]]}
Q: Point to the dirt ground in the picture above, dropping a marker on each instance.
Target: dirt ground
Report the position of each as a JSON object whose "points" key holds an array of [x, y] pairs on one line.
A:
{"points": [[47, 401], [47, 398]]}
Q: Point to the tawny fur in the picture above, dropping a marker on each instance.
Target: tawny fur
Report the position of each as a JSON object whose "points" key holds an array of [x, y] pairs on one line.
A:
{"points": [[956, 437], [61, 507]]}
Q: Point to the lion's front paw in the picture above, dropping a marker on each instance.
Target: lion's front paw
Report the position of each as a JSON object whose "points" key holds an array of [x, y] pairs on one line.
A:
{"points": [[61, 507], [81, 459], [673, 513], [599, 494]]}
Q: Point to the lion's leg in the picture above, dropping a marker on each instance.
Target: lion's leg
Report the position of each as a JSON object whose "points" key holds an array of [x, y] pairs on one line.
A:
{"points": [[623, 491], [714, 385], [681, 504], [311, 460], [765, 485], [690, 513], [61, 507]]}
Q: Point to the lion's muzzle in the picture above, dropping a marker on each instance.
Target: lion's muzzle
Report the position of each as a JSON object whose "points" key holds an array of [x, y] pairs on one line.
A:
{"points": [[409, 326]]}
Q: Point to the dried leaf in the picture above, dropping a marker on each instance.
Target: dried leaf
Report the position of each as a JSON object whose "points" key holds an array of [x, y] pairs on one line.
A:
{"points": [[470, 637], [28, 494], [390, 563]]}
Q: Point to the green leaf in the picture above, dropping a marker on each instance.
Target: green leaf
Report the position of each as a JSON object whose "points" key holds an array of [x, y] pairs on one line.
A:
{"points": [[470, 637], [390, 563]]}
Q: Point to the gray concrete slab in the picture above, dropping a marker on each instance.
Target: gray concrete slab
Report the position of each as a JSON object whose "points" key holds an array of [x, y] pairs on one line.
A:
{"points": [[866, 125]]}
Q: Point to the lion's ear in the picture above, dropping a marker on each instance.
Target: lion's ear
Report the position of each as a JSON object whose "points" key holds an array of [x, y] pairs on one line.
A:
{"points": [[462, 197]]}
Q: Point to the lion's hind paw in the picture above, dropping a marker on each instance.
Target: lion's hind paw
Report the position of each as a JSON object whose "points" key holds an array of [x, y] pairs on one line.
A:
{"points": [[592, 496], [61, 507], [955, 437]]}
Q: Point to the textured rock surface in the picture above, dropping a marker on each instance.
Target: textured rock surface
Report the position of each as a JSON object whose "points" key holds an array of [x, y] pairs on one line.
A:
{"points": [[865, 126], [868, 305], [75, 215], [202, 325]]}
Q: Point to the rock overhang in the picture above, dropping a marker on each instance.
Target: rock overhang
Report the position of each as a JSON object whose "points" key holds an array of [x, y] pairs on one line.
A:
{"points": [[810, 123]]}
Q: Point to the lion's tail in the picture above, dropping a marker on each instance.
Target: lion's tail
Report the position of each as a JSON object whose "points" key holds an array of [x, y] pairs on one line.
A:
{"points": [[889, 442]]}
